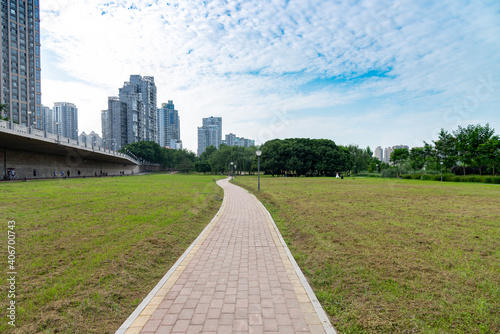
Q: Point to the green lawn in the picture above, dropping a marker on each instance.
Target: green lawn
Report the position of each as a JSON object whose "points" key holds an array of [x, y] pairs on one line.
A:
{"points": [[89, 250], [394, 256]]}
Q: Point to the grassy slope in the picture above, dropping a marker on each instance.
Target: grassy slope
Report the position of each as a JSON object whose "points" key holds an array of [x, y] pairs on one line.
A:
{"points": [[394, 255], [89, 250]]}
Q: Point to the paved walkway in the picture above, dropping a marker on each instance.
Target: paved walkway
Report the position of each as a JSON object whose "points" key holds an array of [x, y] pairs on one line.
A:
{"points": [[237, 277]]}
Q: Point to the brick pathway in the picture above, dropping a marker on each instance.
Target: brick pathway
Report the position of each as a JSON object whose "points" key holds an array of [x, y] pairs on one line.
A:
{"points": [[236, 278]]}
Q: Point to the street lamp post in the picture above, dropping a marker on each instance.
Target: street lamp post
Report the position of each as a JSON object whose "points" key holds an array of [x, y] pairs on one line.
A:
{"points": [[258, 169], [232, 164], [441, 171], [377, 167]]}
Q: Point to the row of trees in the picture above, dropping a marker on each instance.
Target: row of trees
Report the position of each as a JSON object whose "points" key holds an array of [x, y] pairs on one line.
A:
{"points": [[290, 156], [472, 149], [211, 161], [149, 151], [298, 157], [363, 160]]}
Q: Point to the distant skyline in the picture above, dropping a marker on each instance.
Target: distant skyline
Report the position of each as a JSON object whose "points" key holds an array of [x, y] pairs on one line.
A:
{"points": [[377, 73]]}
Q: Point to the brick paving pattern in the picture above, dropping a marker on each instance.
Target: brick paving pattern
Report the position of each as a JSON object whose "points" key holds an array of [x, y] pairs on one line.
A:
{"points": [[237, 279]]}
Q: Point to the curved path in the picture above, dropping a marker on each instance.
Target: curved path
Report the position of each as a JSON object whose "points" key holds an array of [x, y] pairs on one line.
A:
{"points": [[237, 277]]}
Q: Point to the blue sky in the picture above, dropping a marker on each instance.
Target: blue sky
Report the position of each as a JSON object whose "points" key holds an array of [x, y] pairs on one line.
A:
{"points": [[357, 72]]}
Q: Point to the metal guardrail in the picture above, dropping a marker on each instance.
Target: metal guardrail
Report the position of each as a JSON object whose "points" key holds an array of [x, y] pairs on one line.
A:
{"points": [[8, 126]]}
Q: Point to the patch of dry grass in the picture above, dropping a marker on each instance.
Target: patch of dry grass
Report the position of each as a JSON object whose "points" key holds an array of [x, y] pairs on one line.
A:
{"points": [[394, 256], [89, 250]]}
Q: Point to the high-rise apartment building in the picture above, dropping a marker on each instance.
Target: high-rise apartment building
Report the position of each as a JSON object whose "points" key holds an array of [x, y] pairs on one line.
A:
{"points": [[210, 134], [48, 120], [132, 116], [146, 87], [169, 128], [66, 118], [379, 153], [232, 140], [387, 154], [91, 139], [20, 69]]}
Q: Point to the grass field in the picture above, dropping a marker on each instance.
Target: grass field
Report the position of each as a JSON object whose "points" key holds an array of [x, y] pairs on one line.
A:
{"points": [[394, 256], [89, 250]]}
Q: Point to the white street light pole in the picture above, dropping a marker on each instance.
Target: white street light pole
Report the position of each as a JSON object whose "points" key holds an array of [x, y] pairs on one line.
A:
{"points": [[258, 168]]}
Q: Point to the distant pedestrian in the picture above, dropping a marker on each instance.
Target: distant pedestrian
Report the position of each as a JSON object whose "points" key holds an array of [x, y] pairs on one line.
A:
{"points": [[78, 172], [34, 173], [67, 173], [62, 173], [55, 173]]}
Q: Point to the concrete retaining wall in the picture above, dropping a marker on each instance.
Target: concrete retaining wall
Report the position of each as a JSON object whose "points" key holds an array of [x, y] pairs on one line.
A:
{"points": [[45, 165]]}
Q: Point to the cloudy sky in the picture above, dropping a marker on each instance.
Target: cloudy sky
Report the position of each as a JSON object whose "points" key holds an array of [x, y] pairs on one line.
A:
{"points": [[360, 72]]}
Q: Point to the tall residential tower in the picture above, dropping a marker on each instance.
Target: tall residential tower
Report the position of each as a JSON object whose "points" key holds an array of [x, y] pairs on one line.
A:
{"points": [[210, 134], [132, 116], [169, 128], [20, 69], [66, 118]]}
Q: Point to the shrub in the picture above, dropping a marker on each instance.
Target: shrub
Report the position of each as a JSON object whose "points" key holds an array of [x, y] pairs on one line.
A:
{"points": [[489, 179], [389, 172], [459, 170]]}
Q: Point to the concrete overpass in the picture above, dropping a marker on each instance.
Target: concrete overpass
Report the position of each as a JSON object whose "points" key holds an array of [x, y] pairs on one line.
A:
{"points": [[26, 149]]}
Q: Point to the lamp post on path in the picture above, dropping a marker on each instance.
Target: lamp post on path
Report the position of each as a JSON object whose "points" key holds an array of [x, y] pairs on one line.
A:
{"points": [[232, 163], [258, 168], [441, 171]]}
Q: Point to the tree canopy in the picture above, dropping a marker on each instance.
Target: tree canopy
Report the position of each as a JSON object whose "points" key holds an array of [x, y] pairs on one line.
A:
{"points": [[300, 156]]}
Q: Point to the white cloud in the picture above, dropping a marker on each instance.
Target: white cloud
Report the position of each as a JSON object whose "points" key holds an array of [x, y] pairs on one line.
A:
{"points": [[247, 60]]}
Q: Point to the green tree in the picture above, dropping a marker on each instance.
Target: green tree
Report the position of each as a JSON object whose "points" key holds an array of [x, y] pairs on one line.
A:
{"points": [[430, 156], [468, 141], [148, 151], [361, 158], [205, 156], [446, 149], [302, 156], [202, 166], [490, 152], [184, 160], [398, 156], [417, 158]]}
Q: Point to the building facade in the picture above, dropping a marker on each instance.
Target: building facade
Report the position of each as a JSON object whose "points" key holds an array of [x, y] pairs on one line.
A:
{"points": [[91, 139], [379, 153], [132, 116], [20, 69], [233, 140], [210, 134], [48, 120], [66, 118], [169, 128], [146, 87]]}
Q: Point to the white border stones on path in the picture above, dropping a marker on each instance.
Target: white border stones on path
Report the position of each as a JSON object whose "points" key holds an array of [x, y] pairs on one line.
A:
{"points": [[237, 276]]}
